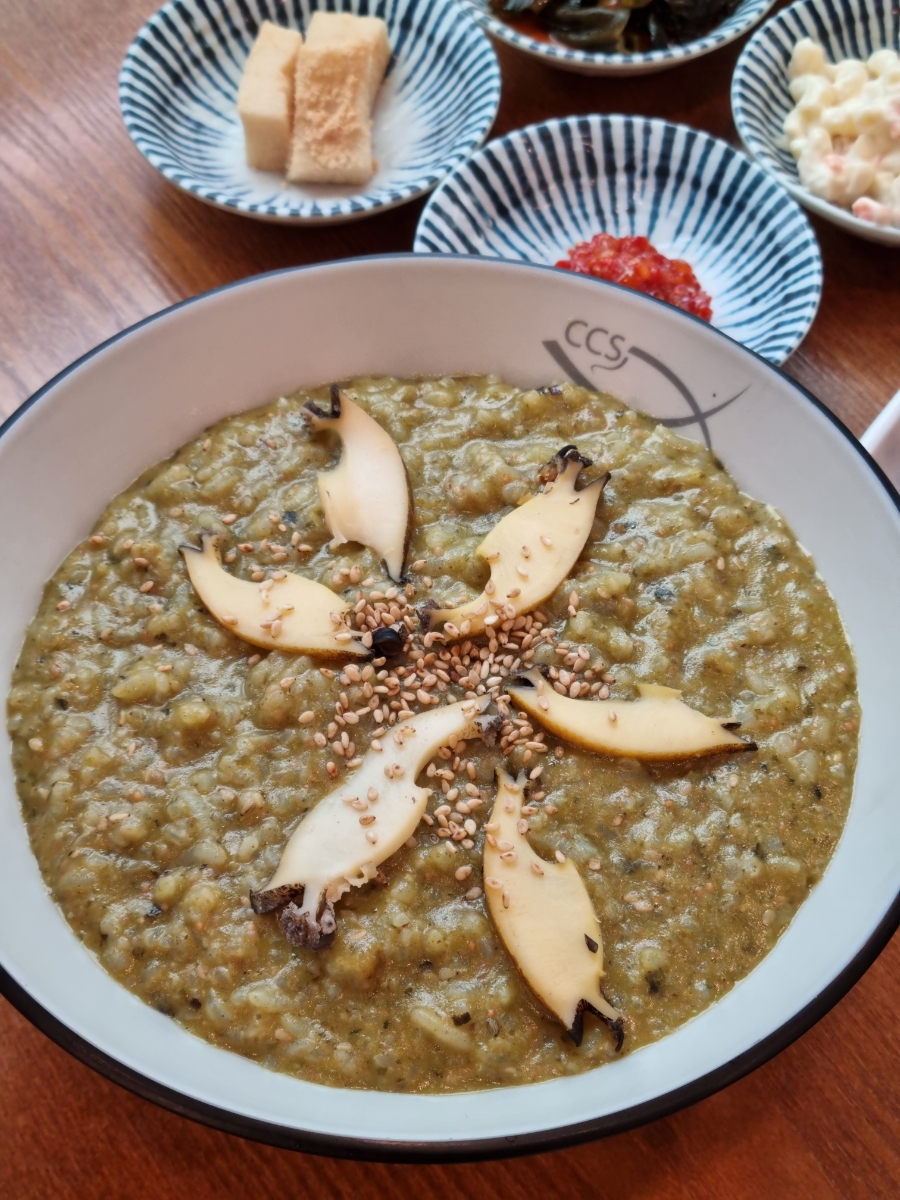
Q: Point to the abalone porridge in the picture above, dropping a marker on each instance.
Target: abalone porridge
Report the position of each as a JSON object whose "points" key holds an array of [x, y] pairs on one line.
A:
{"points": [[171, 743]]}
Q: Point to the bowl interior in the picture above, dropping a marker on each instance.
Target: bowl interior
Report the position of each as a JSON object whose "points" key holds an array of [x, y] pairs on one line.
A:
{"points": [[760, 98], [178, 92], [535, 193], [140, 396], [587, 62]]}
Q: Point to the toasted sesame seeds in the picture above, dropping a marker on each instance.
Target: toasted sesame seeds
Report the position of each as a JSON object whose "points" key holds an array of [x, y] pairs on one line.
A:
{"points": [[148, 586], [536, 867], [560, 857], [229, 518], [36, 744], [371, 836], [473, 893], [492, 882]]}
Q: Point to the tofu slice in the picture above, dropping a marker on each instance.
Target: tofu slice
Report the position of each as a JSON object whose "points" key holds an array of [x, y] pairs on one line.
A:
{"points": [[345, 29], [266, 97], [339, 71]]}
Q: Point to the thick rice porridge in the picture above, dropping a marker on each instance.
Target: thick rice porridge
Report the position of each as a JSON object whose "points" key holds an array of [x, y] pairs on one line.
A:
{"points": [[162, 762]]}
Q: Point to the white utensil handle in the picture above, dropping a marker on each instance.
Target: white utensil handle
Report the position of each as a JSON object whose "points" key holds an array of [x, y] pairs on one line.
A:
{"points": [[882, 440]]}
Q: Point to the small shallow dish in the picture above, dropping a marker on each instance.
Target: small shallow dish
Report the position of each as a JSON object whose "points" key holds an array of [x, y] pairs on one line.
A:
{"points": [[178, 93], [536, 192], [586, 62], [86, 435], [882, 439], [760, 99]]}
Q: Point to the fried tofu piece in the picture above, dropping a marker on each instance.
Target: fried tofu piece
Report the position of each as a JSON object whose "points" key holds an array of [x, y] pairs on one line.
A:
{"points": [[266, 97], [339, 71]]}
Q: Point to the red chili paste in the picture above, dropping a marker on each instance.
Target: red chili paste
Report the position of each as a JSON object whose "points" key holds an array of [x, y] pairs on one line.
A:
{"points": [[633, 262]]}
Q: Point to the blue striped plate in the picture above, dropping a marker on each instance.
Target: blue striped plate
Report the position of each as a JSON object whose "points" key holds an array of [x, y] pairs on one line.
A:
{"points": [[586, 62], [535, 193], [178, 92], [760, 99]]}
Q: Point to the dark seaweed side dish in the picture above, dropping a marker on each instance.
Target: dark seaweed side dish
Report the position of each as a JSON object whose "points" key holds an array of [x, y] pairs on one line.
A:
{"points": [[615, 26]]}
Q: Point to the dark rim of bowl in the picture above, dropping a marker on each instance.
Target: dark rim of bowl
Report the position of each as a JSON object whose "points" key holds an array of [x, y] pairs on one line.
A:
{"points": [[474, 1149]]}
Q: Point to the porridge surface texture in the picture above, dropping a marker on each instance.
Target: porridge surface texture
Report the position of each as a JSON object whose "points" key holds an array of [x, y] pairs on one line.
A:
{"points": [[162, 763]]}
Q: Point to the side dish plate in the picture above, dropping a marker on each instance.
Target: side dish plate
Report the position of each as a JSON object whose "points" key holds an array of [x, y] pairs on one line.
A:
{"points": [[760, 99], [590, 62], [178, 93], [534, 193], [87, 434]]}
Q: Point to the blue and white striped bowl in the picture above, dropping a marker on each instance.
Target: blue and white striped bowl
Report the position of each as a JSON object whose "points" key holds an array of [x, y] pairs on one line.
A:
{"points": [[178, 92], [586, 62], [536, 192], [760, 99]]}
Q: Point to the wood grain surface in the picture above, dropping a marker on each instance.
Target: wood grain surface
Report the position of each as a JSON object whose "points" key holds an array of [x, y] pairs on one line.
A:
{"points": [[91, 240]]}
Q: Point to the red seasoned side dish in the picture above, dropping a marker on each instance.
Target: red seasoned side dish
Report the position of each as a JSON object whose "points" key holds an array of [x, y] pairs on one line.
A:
{"points": [[634, 262]]}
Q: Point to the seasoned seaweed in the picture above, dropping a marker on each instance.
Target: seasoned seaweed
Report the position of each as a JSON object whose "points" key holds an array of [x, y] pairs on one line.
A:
{"points": [[620, 26]]}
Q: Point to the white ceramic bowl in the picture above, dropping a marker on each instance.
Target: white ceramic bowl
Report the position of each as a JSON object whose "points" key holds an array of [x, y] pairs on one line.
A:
{"points": [[178, 93], [89, 432], [592, 62], [536, 192], [760, 99]]}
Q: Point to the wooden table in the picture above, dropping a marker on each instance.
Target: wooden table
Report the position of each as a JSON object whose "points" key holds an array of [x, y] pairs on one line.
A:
{"points": [[91, 240]]}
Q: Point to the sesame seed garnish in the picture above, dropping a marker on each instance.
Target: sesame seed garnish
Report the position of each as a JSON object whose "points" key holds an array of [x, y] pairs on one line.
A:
{"points": [[369, 819], [546, 540], [560, 857], [63, 605], [463, 872], [491, 882], [229, 518], [148, 586], [35, 744], [521, 571], [536, 867], [473, 893]]}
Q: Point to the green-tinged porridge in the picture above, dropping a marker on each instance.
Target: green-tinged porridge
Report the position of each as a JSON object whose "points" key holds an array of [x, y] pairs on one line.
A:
{"points": [[163, 763]]}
